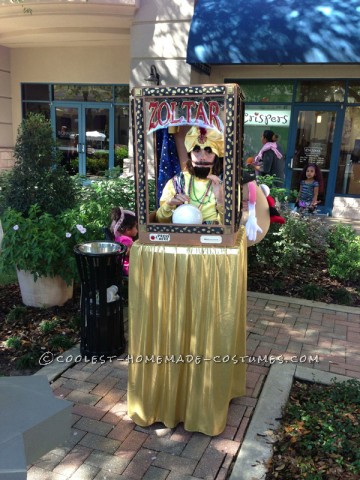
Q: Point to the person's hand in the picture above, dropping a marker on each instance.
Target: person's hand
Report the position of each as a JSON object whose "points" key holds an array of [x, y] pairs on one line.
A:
{"points": [[178, 199], [252, 228], [218, 188]]}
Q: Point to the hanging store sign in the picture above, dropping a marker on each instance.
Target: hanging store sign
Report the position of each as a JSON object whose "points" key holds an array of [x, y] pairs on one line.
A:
{"points": [[267, 118]]}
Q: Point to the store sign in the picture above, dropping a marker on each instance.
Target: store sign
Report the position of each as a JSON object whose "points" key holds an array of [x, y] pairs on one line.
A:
{"points": [[172, 113], [267, 118]]}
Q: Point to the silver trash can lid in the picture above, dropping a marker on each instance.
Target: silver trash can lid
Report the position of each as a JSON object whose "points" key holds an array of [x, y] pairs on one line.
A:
{"points": [[99, 248]]}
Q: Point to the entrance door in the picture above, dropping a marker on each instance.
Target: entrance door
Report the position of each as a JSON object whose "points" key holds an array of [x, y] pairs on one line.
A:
{"points": [[67, 135], [315, 138], [84, 133]]}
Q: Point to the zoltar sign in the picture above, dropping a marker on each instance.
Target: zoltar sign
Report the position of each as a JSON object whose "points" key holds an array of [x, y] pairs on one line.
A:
{"points": [[162, 114], [204, 113]]}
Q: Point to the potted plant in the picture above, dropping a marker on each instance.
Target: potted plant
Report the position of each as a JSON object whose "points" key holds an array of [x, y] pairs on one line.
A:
{"points": [[37, 218], [40, 246]]}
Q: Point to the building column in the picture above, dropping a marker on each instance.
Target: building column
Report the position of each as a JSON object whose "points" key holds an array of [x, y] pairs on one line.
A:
{"points": [[6, 133], [159, 37]]}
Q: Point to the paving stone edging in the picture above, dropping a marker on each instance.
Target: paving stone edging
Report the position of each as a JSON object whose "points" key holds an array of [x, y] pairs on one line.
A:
{"points": [[256, 449], [303, 302], [55, 369]]}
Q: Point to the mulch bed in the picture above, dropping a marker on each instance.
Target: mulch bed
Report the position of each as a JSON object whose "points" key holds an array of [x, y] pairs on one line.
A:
{"points": [[27, 325], [319, 434], [312, 284]]}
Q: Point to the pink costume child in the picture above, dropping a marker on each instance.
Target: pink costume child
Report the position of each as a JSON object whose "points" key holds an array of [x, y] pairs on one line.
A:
{"points": [[124, 228]]}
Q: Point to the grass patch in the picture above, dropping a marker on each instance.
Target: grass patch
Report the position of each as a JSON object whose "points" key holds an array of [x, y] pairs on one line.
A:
{"points": [[60, 342], [28, 361], [13, 342], [342, 296], [48, 326], [312, 292], [17, 313], [319, 436]]}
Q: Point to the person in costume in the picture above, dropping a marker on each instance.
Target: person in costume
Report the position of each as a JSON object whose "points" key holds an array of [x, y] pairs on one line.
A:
{"points": [[124, 228], [200, 183]]}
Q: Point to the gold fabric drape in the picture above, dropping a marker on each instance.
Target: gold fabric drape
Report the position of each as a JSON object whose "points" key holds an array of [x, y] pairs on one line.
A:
{"points": [[187, 334]]}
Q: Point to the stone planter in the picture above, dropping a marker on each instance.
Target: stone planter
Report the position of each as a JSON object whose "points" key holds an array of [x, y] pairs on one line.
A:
{"points": [[45, 292]]}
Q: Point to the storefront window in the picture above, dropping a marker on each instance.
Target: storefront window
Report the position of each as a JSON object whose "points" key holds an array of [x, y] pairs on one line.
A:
{"points": [[121, 130], [320, 91], [260, 118], [348, 175], [122, 94], [266, 91], [35, 91], [354, 91], [83, 93], [35, 107]]}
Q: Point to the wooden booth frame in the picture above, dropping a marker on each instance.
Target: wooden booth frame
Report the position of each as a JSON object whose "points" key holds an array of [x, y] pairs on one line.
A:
{"points": [[175, 234]]}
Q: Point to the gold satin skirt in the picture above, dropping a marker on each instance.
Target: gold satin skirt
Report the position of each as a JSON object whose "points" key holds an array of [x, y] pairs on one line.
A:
{"points": [[187, 334]]}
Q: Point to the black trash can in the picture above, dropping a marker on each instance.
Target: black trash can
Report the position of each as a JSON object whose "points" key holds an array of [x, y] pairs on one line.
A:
{"points": [[102, 324]]}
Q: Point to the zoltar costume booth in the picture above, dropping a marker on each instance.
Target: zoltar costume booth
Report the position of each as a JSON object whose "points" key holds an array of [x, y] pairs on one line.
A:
{"points": [[188, 269]]}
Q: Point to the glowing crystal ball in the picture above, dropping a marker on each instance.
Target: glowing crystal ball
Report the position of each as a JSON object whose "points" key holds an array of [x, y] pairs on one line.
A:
{"points": [[187, 215]]}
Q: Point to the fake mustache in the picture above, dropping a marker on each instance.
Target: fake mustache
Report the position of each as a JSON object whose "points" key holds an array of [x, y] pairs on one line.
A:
{"points": [[203, 164]]}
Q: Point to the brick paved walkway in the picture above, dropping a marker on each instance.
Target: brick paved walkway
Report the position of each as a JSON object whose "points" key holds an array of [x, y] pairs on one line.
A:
{"points": [[106, 444]]}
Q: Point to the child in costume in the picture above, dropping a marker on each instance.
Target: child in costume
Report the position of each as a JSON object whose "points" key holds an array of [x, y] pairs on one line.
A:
{"points": [[124, 227], [311, 184]]}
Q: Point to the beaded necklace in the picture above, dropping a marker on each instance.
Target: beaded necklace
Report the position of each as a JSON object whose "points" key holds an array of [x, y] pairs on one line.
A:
{"points": [[205, 196]]}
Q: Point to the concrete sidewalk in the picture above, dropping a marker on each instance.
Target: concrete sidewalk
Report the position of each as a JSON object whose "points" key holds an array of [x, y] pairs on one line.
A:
{"points": [[106, 444]]}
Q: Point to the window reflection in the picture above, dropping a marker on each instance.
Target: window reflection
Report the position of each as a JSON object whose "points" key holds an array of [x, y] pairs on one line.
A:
{"points": [[122, 94], [83, 93], [35, 107], [348, 175], [320, 91], [266, 91]]}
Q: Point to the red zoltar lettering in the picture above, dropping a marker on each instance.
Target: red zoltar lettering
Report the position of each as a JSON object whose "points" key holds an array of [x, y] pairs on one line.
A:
{"points": [[164, 114]]}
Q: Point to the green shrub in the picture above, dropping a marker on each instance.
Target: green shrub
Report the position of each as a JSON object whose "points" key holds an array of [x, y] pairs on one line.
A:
{"points": [[96, 166], [37, 177], [343, 255], [4, 186], [120, 154], [282, 195], [296, 244], [312, 291], [42, 243]]}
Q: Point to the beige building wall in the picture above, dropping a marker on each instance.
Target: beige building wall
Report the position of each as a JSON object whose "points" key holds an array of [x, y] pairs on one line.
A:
{"points": [[93, 65], [6, 126], [159, 37]]}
